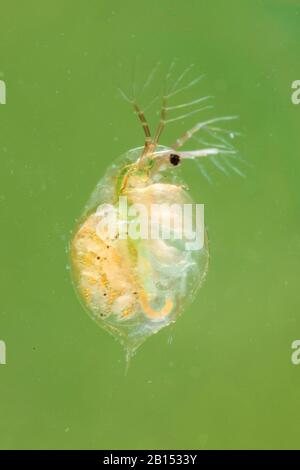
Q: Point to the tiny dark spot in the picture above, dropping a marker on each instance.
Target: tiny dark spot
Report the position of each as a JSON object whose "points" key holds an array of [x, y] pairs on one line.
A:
{"points": [[105, 295], [174, 159], [98, 257]]}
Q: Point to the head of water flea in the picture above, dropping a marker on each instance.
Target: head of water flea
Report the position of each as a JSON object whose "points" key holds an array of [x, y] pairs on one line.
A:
{"points": [[210, 137]]}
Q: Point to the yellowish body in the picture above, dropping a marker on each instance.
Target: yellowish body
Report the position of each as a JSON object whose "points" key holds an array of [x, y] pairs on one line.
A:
{"points": [[134, 287]]}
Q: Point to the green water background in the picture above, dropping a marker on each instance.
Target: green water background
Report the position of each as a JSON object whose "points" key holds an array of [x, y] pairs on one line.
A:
{"points": [[226, 380]]}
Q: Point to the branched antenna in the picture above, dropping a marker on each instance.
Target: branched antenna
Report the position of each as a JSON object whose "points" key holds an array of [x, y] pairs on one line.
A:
{"points": [[214, 140], [141, 116]]}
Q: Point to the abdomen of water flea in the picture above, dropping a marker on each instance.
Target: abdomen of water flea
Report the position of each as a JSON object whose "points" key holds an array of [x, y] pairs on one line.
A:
{"points": [[125, 279], [108, 276]]}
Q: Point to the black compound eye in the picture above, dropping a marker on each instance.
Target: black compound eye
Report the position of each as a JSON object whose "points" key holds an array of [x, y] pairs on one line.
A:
{"points": [[174, 159]]}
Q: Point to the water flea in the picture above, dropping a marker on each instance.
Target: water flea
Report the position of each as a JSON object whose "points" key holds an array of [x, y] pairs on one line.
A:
{"points": [[150, 280]]}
